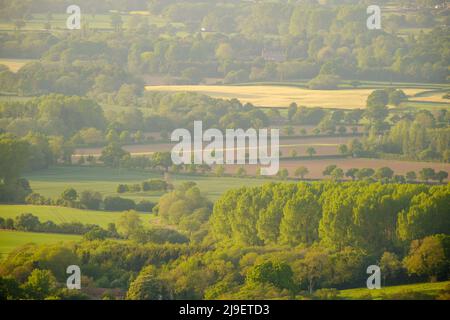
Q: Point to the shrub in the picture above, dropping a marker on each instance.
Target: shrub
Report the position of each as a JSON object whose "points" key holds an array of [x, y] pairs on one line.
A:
{"points": [[155, 185], [91, 200], [95, 234], [119, 204], [122, 188], [145, 206]]}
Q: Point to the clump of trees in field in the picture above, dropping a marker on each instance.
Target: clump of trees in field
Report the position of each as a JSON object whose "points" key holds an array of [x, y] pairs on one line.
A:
{"points": [[91, 200], [150, 185], [31, 223], [423, 135]]}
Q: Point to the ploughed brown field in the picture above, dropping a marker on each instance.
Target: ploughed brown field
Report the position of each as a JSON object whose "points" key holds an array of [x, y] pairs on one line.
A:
{"points": [[322, 145]]}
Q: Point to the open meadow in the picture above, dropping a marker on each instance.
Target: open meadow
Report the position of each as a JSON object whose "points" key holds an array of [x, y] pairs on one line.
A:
{"points": [[51, 182], [65, 215], [38, 22], [283, 96], [9, 240]]}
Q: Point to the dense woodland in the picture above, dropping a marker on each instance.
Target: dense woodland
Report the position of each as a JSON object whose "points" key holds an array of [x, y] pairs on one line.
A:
{"points": [[242, 42], [275, 241]]}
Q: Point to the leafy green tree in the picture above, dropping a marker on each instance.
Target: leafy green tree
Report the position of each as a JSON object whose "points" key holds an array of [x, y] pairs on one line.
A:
{"points": [[441, 176], [40, 284], [337, 174], [427, 215], [376, 107], [69, 194], [390, 266], [95, 234], [399, 179], [10, 289], [283, 174], [314, 268], [343, 149], [162, 159], [396, 97], [14, 156], [311, 151], [365, 173], [129, 223], [292, 110], [427, 174], [384, 173], [122, 188], [118, 204], [113, 154], [301, 172], [411, 176], [277, 273], [351, 173], [149, 286], [27, 222], [329, 169], [427, 257], [91, 199], [300, 221]]}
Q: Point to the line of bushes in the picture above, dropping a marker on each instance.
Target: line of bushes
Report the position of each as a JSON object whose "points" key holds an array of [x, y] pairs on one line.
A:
{"points": [[90, 200], [150, 185], [30, 223]]}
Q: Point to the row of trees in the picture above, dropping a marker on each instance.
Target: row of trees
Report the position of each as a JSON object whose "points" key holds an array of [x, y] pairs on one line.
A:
{"points": [[91, 200], [373, 216], [31, 223]]}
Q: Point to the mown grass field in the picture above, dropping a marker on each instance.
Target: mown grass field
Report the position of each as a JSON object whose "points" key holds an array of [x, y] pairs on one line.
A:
{"points": [[282, 96], [98, 21], [429, 289], [63, 214], [9, 240], [53, 181]]}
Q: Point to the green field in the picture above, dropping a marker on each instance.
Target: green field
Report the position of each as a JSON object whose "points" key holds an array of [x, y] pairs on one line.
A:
{"points": [[98, 21], [430, 289], [9, 240], [53, 181], [63, 214]]}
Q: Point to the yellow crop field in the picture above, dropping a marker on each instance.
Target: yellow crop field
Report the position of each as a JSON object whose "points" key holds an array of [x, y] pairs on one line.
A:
{"points": [[437, 97], [282, 96], [14, 64]]}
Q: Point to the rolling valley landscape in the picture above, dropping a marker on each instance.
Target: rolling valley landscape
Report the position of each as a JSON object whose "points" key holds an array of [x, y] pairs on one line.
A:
{"points": [[90, 104]]}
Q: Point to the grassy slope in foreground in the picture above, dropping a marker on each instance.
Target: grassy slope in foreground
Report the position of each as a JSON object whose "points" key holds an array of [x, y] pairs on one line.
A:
{"points": [[431, 289], [9, 240], [61, 214]]}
